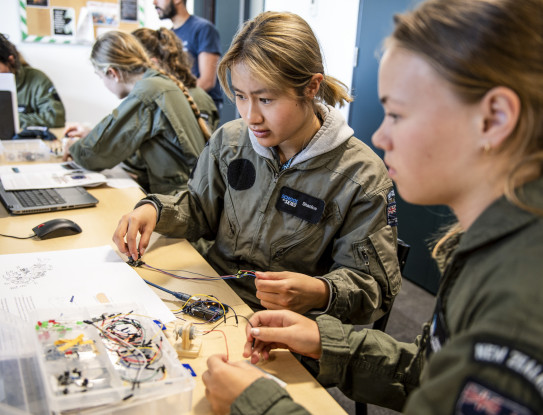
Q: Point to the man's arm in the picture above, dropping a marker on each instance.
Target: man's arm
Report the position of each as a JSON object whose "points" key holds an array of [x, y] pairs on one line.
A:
{"points": [[207, 63]]}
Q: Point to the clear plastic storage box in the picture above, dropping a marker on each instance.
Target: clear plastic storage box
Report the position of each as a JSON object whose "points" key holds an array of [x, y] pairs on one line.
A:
{"points": [[104, 360], [24, 150]]}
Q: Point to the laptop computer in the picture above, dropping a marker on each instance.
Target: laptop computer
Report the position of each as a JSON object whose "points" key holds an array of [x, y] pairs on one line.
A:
{"points": [[9, 115], [21, 202]]}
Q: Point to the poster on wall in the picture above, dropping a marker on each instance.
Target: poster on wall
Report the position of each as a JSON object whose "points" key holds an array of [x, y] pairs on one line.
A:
{"points": [[63, 22], [129, 10], [104, 14], [76, 21], [41, 3]]}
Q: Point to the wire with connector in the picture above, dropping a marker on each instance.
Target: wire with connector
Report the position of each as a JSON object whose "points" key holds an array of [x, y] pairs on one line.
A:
{"points": [[139, 263]]}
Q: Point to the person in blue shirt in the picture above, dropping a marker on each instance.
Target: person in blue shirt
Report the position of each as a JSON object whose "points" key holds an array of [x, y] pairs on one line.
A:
{"points": [[201, 39]]}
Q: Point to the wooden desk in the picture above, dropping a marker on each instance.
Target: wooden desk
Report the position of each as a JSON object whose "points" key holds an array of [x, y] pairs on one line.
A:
{"points": [[98, 224]]}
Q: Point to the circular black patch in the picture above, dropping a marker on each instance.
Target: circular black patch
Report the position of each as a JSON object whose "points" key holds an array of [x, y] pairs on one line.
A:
{"points": [[241, 174]]}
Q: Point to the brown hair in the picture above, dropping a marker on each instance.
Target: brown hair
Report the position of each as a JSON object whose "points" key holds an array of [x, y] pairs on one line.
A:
{"points": [[281, 50], [8, 49], [167, 48], [122, 51], [477, 45]]}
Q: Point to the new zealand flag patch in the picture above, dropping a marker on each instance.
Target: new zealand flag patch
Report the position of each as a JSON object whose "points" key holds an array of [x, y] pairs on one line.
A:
{"points": [[477, 399], [392, 218], [299, 204]]}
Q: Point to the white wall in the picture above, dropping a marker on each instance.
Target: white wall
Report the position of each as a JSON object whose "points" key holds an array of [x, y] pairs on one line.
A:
{"points": [[334, 24], [86, 98]]}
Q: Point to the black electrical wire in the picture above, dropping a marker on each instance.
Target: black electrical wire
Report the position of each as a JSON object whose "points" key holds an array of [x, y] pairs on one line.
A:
{"points": [[17, 237]]}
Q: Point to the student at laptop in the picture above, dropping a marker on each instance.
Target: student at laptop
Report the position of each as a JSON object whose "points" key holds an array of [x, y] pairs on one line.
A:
{"points": [[157, 130], [287, 188], [38, 100], [166, 50]]}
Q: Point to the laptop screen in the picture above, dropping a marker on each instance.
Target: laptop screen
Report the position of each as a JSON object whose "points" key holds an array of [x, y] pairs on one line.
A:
{"points": [[9, 116], [7, 122]]}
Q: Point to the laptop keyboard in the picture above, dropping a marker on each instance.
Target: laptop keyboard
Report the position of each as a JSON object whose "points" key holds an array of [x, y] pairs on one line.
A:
{"points": [[38, 197]]}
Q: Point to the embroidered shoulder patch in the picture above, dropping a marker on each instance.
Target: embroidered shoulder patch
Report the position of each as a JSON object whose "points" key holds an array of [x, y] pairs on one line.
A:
{"points": [[519, 362], [477, 399], [392, 218], [299, 204]]}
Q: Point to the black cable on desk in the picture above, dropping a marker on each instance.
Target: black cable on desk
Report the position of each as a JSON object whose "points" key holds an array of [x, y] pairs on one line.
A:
{"points": [[17, 237]]}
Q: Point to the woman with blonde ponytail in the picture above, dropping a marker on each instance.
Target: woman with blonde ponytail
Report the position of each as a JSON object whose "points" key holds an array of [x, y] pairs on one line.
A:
{"points": [[157, 131], [286, 190]]}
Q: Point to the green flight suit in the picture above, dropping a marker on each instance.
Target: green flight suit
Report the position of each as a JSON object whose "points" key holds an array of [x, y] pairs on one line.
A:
{"points": [[154, 131], [38, 100], [330, 214], [481, 353]]}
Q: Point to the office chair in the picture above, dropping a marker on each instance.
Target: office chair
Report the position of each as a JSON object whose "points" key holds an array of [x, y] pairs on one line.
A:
{"points": [[361, 408]]}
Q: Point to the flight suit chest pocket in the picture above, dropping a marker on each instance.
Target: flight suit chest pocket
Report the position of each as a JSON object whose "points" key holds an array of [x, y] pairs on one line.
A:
{"points": [[307, 247]]}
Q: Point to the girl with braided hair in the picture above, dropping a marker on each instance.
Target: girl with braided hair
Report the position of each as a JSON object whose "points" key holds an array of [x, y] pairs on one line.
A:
{"points": [[157, 131], [166, 50]]}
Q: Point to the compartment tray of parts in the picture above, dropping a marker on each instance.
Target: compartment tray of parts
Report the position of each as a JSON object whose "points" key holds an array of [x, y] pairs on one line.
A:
{"points": [[110, 359]]}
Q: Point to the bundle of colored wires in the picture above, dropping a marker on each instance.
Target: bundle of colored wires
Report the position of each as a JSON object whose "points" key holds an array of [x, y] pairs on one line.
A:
{"points": [[127, 338]]}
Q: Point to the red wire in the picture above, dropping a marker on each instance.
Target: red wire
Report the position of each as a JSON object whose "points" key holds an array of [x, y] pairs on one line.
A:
{"points": [[225, 342]]}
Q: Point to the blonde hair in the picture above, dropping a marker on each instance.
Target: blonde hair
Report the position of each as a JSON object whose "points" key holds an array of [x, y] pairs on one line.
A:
{"points": [[281, 50], [477, 45], [122, 51], [166, 47]]}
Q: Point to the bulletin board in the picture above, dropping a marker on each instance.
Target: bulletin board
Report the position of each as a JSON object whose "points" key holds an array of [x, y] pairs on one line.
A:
{"points": [[77, 21]]}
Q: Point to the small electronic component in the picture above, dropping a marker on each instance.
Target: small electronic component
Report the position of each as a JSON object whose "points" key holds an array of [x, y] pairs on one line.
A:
{"points": [[207, 310], [135, 263], [187, 344]]}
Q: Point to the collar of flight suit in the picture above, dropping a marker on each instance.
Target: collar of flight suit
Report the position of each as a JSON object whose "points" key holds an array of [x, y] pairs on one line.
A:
{"points": [[502, 218]]}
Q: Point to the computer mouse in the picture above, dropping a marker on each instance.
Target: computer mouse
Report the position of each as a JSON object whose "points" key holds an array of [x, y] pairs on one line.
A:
{"points": [[56, 227]]}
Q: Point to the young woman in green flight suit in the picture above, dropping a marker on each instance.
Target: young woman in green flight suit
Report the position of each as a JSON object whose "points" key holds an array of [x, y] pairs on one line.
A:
{"points": [[287, 190], [157, 130]]}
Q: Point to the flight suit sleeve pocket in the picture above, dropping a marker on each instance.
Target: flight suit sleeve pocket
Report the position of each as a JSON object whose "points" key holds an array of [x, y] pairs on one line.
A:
{"points": [[376, 255]]}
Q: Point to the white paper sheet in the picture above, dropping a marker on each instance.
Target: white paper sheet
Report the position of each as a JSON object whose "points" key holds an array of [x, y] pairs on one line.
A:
{"points": [[31, 175], [48, 176], [73, 278]]}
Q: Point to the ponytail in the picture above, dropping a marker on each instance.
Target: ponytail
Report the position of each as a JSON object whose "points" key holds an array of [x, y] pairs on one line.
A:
{"points": [[333, 91], [124, 52]]}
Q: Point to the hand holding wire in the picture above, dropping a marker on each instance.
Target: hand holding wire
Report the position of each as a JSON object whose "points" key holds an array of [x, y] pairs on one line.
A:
{"points": [[225, 381], [141, 220], [291, 291], [281, 329]]}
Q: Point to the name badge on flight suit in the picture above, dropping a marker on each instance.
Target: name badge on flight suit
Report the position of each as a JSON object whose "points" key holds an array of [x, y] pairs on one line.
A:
{"points": [[299, 204], [439, 332]]}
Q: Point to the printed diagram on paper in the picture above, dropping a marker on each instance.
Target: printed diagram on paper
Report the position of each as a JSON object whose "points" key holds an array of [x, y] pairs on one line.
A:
{"points": [[79, 277], [25, 275]]}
